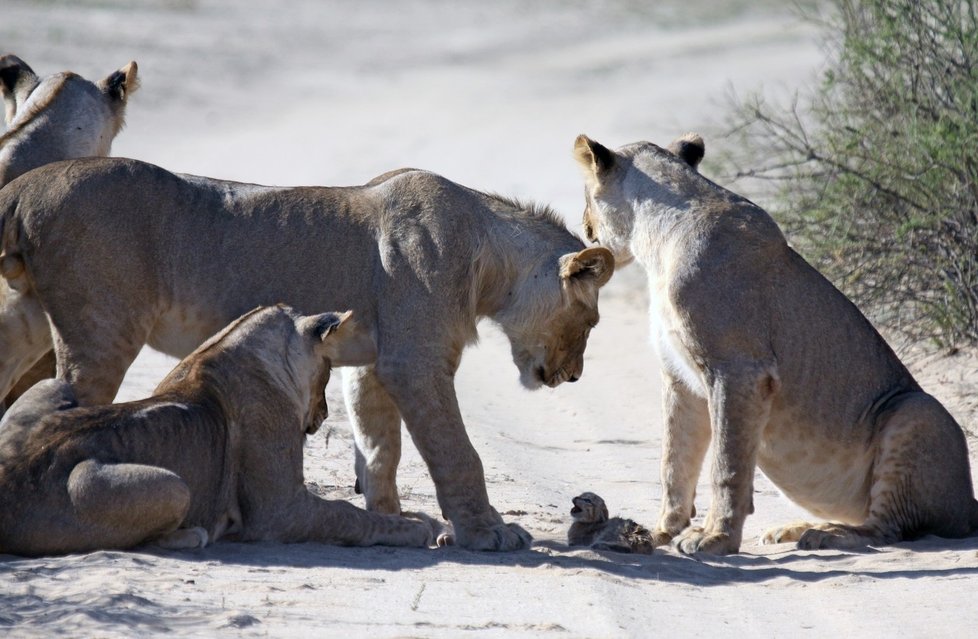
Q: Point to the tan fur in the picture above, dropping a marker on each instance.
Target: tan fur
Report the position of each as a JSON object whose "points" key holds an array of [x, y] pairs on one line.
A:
{"points": [[163, 259], [593, 528], [58, 117], [765, 357], [216, 452]]}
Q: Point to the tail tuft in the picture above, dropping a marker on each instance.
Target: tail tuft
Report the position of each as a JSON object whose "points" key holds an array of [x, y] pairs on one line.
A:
{"points": [[12, 266]]}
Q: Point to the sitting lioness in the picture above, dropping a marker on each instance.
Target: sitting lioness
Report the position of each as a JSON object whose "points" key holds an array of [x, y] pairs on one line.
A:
{"points": [[57, 117], [764, 354], [216, 452], [122, 253]]}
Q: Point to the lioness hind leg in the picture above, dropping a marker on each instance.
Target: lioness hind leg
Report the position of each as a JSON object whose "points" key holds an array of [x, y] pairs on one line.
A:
{"points": [[95, 349], [44, 368], [25, 336], [377, 433], [921, 480], [123, 505]]}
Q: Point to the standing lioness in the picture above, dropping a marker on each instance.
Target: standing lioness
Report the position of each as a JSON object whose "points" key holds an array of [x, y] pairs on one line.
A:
{"points": [[217, 451], [52, 118], [122, 253], [764, 354]]}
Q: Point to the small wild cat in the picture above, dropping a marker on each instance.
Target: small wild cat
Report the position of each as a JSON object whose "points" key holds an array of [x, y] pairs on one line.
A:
{"points": [[593, 528]]}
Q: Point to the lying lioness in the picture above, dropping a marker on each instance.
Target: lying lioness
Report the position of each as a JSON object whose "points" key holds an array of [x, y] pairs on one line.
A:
{"points": [[762, 353], [216, 452]]}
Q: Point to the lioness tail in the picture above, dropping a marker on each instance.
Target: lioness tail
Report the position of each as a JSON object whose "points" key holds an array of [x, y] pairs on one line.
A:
{"points": [[11, 261]]}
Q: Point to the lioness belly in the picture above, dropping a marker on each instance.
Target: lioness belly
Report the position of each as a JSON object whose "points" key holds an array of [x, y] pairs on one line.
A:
{"points": [[179, 331], [830, 479]]}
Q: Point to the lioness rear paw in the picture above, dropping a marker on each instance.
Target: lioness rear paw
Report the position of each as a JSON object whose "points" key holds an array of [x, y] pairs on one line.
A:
{"points": [[786, 534], [183, 539], [696, 540], [499, 537], [814, 539]]}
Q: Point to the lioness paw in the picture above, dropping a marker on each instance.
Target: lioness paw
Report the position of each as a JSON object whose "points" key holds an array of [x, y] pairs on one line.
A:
{"points": [[661, 537], [499, 537], [814, 539], [183, 539], [786, 534], [696, 540], [435, 531]]}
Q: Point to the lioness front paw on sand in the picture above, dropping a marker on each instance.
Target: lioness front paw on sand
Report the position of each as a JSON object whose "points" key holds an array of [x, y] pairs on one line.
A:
{"points": [[58, 117], [168, 259], [762, 354], [215, 452]]}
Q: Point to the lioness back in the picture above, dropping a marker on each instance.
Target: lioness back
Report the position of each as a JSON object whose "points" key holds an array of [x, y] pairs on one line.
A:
{"points": [[215, 232]]}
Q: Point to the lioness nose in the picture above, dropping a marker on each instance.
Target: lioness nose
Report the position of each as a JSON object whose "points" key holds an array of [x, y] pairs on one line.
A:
{"points": [[578, 370]]}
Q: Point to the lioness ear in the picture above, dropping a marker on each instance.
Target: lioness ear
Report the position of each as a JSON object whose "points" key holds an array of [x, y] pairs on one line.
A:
{"points": [[347, 343], [595, 263], [12, 71], [326, 324], [595, 159], [689, 148], [119, 84]]}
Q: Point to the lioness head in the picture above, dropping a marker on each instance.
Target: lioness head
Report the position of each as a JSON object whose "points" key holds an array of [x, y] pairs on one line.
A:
{"points": [[288, 355], [58, 117], [549, 324], [618, 183]]}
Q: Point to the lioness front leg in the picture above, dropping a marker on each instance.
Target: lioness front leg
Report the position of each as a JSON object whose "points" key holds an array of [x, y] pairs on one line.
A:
{"points": [[425, 395], [377, 433], [740, 405], [312, 518], [684, 444]]}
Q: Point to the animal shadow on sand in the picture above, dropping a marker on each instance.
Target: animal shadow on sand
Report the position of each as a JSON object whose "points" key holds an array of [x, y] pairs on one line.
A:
{"points": [[25, 607], [902, 561]]}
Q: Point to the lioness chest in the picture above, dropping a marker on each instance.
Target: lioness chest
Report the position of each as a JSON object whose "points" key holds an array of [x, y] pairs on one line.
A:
{"points": [[667, 334]]}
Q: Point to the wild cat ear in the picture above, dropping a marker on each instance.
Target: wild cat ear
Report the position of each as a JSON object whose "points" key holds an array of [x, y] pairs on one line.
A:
{"points": [[595, 159], [119, 84], [689, 148], [595, 264]]}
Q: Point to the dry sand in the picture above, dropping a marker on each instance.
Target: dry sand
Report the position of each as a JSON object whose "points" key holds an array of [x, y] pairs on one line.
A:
{"points": [[491, 95]]}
